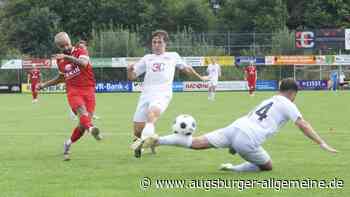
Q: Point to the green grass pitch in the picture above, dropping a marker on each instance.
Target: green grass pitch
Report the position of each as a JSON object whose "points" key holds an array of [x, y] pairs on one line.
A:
{"points": [[32, 136]]}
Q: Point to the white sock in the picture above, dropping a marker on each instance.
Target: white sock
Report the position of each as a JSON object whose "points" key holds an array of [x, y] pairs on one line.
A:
{"points": [[69, 142], [176, 140], [246, 167], [148, 130], [210, 95]]}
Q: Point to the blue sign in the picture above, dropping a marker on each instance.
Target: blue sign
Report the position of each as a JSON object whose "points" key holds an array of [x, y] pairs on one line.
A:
{"points": [[312, 84], [266, 85], [114, 86], [247, 59], [178, 86]]}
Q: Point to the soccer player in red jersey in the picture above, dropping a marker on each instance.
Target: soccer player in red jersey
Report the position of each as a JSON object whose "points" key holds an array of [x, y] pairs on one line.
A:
{"points": [[250, 77], [34, 76], [76, 71]]}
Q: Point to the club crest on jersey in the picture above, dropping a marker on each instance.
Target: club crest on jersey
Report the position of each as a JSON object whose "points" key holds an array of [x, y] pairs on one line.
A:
{"points": [[71, 71], [68, 67], [158, 67]]}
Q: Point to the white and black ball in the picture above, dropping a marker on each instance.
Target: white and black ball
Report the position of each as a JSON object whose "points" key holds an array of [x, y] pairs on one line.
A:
{"points": [[184, 124]]}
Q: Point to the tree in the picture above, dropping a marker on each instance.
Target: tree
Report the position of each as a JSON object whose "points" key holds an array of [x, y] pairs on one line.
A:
{"points": [[252, 16], [34, 34], [28, 28], [202, 22], [318, 14]]}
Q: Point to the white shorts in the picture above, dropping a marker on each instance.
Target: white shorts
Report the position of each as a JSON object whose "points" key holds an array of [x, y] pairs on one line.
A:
{"points": [[233, 137], [213, 83], [146, 102]]}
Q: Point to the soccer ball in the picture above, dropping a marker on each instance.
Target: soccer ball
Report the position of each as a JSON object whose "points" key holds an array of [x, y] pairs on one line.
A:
{"points": [[184, 124]]}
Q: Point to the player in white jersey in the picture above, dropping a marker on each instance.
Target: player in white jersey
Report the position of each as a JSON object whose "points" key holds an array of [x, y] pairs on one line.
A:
{"points": [[246, 135], [214, 72], [342, 82], [159, 68]]}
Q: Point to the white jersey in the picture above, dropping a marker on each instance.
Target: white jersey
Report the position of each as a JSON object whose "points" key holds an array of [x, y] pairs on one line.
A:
{"points": [[341, 78], [214, 72], [160, 70], [266, 119]]}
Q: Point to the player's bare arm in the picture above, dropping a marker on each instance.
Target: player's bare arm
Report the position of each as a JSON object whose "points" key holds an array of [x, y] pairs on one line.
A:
{"points": [[83, 62], [58, 79], [190, 71], [308, 131], [131, 73]]}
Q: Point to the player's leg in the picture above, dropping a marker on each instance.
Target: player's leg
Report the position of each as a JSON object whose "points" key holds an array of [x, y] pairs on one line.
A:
{"points": [[138, 127], [216, 139], [139, 122], [153, 115], [77, 133], [148, 111], [197, 143], [210, 91], [334, 84], [155, 108], [251, 87], [34, 92], [90, 103], [257, 158], [140, 117], [213, 91], [72, 115], [77, 105]]}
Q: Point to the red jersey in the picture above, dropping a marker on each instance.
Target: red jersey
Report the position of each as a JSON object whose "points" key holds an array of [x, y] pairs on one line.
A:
{"points": [[77, 77], [250, 72], [34, 75]]}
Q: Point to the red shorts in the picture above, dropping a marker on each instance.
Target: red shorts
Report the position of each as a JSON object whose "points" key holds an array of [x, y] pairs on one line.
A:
{"points": [[82, 97], [251, 84], [33, 86]]}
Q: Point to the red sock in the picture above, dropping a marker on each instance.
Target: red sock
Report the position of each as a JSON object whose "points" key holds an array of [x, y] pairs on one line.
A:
{"points": [[35, 95], [76, 135], [85, 121]]}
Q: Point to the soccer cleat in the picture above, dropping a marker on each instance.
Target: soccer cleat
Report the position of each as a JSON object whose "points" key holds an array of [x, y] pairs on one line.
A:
{"points": [[137, 153], [153, 150], [150, 141], [232, 151], [226, 167], [147, 142], [66, 157], [136, 146], [96, 133], [66, 148]]}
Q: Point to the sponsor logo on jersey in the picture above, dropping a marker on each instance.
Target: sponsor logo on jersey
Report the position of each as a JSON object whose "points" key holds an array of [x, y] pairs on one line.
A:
{"points": [[71, 71]]}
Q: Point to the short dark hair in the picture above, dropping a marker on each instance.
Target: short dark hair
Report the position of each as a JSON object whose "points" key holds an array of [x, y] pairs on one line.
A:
{"points": [[84, 42], [288, 84], [161, 33]]}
